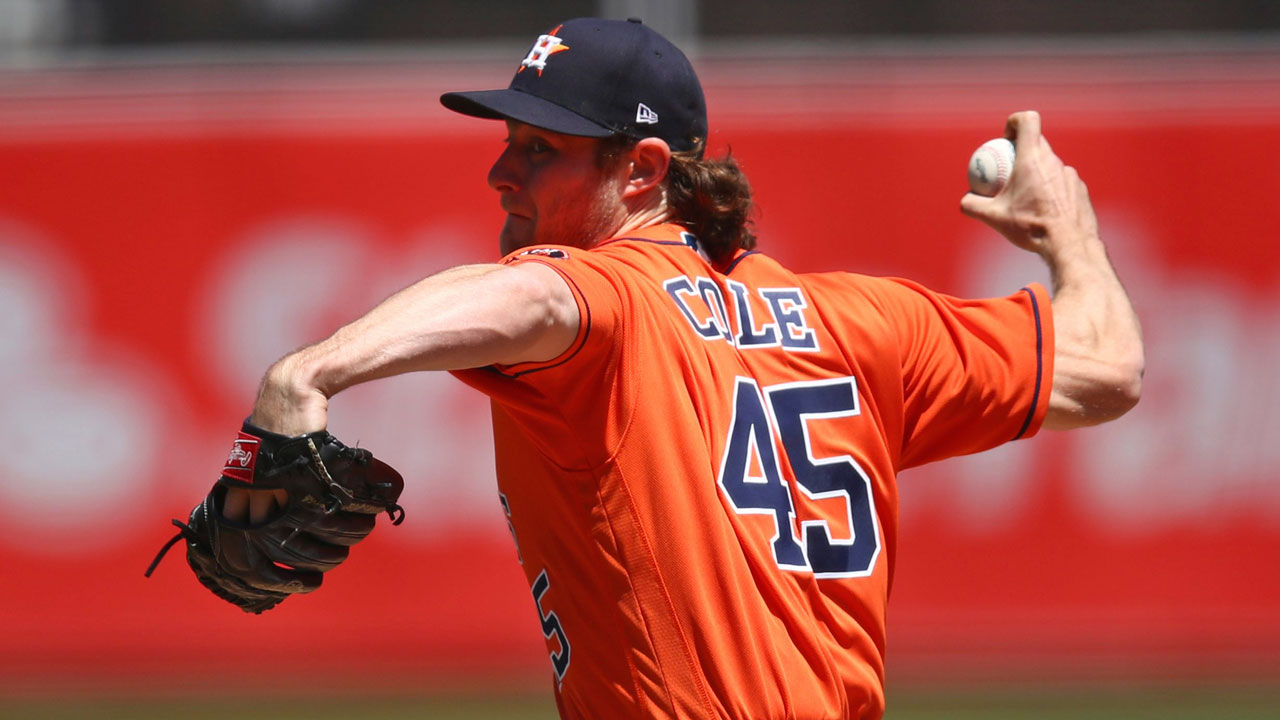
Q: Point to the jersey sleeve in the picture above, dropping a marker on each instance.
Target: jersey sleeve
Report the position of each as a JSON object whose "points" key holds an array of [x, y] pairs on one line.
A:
{"points": [[975, 373], [565, 389], [594, 292]]}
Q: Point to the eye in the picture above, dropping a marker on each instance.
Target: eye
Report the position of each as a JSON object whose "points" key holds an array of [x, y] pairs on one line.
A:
{"points": [[537, 145]]}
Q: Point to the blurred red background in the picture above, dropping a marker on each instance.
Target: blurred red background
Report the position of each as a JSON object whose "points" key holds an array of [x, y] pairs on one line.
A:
{"points": [[165, 233]]}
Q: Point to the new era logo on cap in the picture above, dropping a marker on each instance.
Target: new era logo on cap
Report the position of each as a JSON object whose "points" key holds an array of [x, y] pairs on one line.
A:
{"points": [[646, 116]]}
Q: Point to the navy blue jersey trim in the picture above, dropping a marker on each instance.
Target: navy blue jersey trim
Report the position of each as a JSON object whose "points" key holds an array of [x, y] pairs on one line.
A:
{"points": [[1035, 309], [740, 258], [581, 343], [681, 243]]}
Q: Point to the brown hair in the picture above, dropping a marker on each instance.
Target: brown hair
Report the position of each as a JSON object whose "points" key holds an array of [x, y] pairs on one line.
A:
{"points": [[711, 198]]}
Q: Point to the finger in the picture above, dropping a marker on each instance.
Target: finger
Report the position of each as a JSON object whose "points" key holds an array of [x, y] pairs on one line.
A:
{"points": [[235, 506], [1023, 128], [1074, 181], [261, 506], [977, 206], [1048, 155], [1080, 197], [264, 504]]}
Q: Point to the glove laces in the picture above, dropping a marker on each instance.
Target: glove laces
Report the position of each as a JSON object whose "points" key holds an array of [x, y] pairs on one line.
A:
{"points": [[184, 531]]}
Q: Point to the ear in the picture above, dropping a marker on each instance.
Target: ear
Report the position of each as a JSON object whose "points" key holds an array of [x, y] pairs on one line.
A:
{"points": [[650, 159]]}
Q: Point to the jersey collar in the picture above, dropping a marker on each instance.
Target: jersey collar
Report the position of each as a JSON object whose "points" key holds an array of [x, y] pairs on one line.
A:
{"points": [[662, 234]]}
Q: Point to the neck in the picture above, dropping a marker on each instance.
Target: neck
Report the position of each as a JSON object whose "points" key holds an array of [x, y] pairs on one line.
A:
{"points": [[652, 211]]}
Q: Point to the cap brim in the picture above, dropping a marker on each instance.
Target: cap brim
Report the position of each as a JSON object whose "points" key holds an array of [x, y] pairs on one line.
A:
{"points": [[525, 108]]}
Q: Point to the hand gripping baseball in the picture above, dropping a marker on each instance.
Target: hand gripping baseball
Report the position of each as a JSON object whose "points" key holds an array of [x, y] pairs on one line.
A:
{"points": [[1044, 205], [334, 492]]}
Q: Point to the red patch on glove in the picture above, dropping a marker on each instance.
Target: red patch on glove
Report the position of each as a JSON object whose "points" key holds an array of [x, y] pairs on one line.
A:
{"points": [[243, 457]]}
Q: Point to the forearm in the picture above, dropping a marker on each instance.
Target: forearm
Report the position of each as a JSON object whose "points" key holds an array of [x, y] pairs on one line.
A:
{"points": [[1045, 208], [1098, 357], [470, 316]]}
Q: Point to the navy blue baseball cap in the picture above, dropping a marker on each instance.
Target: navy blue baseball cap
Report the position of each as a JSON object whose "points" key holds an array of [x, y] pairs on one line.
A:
{"points": [[597, 78]]}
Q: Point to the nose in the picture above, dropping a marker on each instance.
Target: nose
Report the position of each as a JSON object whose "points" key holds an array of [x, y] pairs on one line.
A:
{"points": [[504, 175]]}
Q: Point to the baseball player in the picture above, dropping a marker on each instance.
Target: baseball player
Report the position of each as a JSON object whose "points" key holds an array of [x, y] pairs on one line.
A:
{"points": [[697, 448]]}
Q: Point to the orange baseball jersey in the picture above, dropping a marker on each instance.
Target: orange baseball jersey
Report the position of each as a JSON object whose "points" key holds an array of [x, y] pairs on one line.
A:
{"points": [[702, 488]]}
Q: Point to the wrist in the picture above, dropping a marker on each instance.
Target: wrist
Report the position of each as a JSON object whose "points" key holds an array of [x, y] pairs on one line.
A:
{"points": [[1081, 266], [289, 400], [1071, 250]]}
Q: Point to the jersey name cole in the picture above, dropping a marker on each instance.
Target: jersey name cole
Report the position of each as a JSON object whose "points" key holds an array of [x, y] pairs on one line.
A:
{"points": [[780, 323]]}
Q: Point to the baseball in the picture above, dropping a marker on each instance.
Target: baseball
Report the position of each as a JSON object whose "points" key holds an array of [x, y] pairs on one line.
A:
{"points": [[990, 165]]}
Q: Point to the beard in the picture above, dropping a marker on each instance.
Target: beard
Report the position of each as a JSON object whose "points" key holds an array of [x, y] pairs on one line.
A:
{"points": [[581, 218]]}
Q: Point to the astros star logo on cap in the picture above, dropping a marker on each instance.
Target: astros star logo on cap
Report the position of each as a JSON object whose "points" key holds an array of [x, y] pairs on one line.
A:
{"points": [[546, 46], [622, 78]]}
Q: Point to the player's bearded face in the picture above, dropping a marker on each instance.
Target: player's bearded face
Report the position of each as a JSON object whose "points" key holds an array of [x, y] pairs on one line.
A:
{"points": [[555, 190]]}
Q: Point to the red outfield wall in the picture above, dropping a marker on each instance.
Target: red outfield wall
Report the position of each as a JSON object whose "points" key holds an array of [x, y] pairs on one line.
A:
{"points": [[166, 233]]}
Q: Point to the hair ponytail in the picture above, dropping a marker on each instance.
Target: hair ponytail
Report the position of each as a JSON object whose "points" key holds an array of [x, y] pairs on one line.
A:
{"points": [[712, 199]]}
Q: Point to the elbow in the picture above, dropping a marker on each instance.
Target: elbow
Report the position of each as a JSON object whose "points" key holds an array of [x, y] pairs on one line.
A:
{"points": [[1128, 379], [1099, 394], [1124, 395], [1119, 392], [1132, 388], [1098, 369]]}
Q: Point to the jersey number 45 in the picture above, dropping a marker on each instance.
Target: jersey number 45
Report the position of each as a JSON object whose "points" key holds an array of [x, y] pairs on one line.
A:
{"points": [[752, 479]]}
